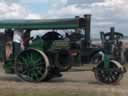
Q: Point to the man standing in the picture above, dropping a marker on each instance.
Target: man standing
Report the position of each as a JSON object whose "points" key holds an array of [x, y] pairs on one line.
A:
{"points": [[17, 41], [8, 43]]}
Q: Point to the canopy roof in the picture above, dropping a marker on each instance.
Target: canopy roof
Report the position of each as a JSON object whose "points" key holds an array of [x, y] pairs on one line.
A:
{"points": [[41, 24]]}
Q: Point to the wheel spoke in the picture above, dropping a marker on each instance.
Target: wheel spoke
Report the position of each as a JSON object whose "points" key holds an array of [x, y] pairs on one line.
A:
{"points": [[34, 76], [38, 61], [23, 60]]}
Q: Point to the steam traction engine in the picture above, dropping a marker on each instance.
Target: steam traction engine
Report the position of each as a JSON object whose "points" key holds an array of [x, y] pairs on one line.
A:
{"points": [[110, 69], [45, 57]]}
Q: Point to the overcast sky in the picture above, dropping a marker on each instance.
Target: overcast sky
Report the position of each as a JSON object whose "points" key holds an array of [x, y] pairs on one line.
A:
{"points": [[105, 13]]}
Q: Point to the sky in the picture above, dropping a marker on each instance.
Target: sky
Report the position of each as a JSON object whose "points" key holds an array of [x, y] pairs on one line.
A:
{"points": [[105, 13]]}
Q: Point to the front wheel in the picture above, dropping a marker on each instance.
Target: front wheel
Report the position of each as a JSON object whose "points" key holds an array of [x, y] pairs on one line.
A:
{"points": [[110, 75]]}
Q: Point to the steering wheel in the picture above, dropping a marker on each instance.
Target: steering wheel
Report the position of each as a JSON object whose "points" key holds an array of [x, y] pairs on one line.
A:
{"points": [[113, 36]]}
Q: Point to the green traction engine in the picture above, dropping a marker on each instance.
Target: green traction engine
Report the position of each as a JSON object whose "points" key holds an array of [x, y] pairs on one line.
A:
{"points": [[42, 58], [110, 69]]}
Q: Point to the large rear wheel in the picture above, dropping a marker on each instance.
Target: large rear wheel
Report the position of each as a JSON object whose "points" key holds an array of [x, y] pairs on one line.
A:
{"points": [[32, 65]]}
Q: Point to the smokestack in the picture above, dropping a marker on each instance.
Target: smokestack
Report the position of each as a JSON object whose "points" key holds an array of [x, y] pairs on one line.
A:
{"points": [[77, 29], [112, 29]]}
